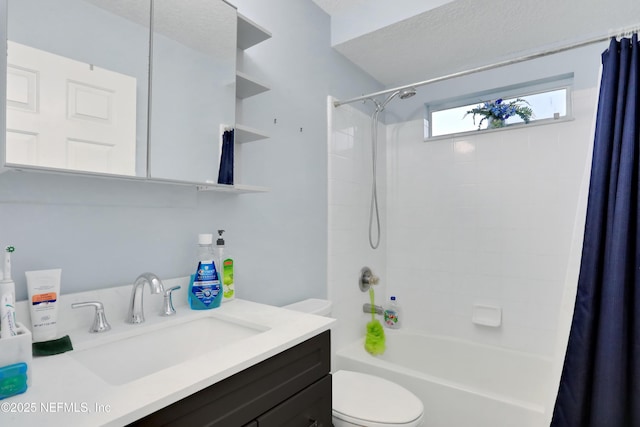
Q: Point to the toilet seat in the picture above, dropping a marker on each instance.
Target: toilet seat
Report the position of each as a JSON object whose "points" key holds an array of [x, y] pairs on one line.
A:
{"points": [[362, 399]]}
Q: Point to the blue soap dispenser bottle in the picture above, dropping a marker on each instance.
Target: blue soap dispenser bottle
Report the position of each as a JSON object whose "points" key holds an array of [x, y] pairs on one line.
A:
{"points": [[205, 288]]}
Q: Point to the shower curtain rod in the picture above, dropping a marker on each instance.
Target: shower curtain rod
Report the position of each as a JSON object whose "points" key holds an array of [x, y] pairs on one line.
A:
{"points": [[620, 33]]}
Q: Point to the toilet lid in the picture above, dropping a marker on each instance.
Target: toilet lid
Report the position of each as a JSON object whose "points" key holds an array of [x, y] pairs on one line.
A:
{"points": [[369, 398]]}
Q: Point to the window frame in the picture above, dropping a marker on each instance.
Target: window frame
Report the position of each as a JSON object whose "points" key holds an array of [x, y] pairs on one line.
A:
{"points": [[563, 82]]}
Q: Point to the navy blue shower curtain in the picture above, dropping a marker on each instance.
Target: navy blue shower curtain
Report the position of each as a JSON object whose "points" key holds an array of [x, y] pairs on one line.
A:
{"points": [[600, 383]]}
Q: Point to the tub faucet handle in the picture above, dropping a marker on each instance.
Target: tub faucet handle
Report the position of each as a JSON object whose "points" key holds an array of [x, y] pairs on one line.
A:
{"points": [[100, 323], [167, 304], [367, 278]]}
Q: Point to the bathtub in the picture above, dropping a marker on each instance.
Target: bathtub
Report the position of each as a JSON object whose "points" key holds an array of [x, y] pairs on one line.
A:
{"points": [[461, 383]]}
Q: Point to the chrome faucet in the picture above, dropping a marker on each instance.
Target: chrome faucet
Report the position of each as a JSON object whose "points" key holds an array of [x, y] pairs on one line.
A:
{"points": [[136, 314]]}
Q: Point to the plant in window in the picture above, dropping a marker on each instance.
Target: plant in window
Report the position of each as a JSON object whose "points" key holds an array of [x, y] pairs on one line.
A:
{"points": [[496, 112]]}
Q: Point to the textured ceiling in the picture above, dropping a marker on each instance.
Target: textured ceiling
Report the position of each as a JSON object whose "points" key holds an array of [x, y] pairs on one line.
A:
{"points": [[465, 34], [202, 26]]}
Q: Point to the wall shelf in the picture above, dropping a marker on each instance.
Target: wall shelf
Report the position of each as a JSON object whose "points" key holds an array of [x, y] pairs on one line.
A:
{"points": [[250, 33], [236, 188], [246, 134], [247, 86]]}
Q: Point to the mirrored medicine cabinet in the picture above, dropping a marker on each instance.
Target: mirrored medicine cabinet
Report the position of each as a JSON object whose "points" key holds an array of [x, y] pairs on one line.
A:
{"points": [[141, 89]]}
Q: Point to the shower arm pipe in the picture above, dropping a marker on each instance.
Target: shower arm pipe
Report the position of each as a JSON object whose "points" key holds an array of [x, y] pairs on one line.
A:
{"points": [[620, 33]]}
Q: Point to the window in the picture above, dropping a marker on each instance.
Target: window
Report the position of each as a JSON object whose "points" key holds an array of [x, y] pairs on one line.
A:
{"points": [[547, 103]]}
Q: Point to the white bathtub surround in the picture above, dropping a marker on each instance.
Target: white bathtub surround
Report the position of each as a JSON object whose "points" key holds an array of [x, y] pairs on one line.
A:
{"points": [[350, 175], [63, 378], [460, 383], [486, 217]]}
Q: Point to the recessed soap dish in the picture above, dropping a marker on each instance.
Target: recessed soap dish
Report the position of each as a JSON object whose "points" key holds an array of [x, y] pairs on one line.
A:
{"points": [[487, 315]]}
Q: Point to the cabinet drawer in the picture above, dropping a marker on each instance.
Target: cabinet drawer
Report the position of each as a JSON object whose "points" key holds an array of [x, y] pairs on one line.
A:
{"points": [[241, 398], [310, 407]]}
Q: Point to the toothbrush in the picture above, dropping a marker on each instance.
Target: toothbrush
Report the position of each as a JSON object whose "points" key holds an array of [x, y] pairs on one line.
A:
{"points": [[7, 317], [7, 262]]}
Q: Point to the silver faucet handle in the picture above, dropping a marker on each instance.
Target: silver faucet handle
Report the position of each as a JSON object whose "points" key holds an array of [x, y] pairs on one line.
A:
{"points": [[167, 304], [100, 323], [367, 278]]}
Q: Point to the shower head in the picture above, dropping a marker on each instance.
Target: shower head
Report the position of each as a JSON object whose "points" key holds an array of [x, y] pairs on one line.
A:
{"points": [[404, 94], [407, 93]]}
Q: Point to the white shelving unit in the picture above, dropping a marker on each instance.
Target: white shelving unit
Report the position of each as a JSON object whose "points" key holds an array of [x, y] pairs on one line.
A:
{"points": [[249, 34]]}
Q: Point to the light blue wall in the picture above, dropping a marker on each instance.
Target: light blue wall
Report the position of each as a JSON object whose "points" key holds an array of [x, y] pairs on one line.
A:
{"points": [[104, 233]]}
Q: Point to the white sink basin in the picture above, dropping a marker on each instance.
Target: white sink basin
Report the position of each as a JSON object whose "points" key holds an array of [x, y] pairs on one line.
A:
{"points": [[128, 359]]}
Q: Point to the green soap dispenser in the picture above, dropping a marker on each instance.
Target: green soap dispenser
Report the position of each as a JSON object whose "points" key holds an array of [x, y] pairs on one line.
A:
{"points": [[226, 261]]}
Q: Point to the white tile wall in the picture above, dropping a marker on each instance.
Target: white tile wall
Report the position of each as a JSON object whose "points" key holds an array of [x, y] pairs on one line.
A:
{"points": [[485, 218]]}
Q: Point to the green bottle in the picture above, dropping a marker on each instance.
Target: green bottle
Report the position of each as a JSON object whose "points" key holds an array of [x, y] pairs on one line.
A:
{"points": [[226, 261]]}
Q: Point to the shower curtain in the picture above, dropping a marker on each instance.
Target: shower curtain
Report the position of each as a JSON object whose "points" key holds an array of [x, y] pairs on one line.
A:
{"points": [[600, 383]]}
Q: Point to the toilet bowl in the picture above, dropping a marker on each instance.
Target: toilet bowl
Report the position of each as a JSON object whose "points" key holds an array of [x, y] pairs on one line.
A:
{"points": [[365, 400]]}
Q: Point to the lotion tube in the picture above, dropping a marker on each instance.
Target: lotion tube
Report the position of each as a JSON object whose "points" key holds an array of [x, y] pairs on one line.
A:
{"points": [[43, 287]]}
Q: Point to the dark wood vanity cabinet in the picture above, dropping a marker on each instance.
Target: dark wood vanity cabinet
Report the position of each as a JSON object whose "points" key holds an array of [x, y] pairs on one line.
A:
{"points": [[290, 389]]}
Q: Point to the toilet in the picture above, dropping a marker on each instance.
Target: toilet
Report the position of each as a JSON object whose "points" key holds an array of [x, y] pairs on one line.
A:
{"points": [[365, 400]]}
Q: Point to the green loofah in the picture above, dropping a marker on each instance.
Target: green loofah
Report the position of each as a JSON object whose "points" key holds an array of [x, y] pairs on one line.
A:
{"points": [[374, 343]]}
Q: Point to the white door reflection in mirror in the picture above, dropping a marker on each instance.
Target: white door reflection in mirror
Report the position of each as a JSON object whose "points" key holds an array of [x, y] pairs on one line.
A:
{"points": [[66, 114]]}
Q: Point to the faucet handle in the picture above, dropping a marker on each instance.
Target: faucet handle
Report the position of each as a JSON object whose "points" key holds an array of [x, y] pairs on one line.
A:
{"points": [[367, 278], [100, 323], [167, 304]]}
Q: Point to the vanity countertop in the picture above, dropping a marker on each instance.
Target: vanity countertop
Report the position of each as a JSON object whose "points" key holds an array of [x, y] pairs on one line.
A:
{"points": [[66, 393]]}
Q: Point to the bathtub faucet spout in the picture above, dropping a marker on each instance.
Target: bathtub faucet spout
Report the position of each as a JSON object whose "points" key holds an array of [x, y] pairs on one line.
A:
{"points": [[368, 308]]}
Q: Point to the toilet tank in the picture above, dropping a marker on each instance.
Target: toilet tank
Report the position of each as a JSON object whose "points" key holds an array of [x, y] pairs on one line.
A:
{"points": [[320, 307]]}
